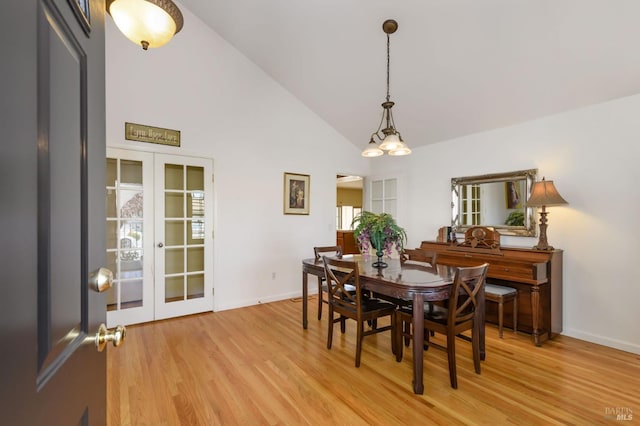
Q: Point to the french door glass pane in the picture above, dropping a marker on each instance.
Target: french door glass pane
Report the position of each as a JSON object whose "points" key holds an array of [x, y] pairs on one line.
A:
{"points": [[174, 232], [174, 261], [112, 234], [131, 172], [174, 204], [112, 171], [131, 294], [376, 189], [124, 214], [390, 188], [112, 205], [195, 231], [174, 289], [173, 176], [195, 286], [195, 259], [195, 178]]}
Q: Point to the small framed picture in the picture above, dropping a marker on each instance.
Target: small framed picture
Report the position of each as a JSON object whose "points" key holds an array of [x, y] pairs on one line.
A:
{"points": [[296, 193], [513, 194]]}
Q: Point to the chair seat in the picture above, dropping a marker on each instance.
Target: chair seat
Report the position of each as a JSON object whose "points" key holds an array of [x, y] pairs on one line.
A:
{"points": [[373, 304], [499, 290], [501, 294], [432, 312]]}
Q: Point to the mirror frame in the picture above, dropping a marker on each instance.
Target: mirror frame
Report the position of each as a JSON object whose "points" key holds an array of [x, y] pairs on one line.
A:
{"points": [[529, 176]]}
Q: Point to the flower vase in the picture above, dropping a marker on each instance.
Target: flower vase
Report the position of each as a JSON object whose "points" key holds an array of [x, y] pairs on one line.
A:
{"points": [[377, 242]]}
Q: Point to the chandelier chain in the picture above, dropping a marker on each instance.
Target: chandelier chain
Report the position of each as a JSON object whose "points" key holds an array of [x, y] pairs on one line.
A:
{"points": [[388, 62]]}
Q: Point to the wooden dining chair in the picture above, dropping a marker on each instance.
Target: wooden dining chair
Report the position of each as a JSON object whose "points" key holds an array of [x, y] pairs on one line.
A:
{"points": [[340, 274], [460, 314], [421, 258], [322, 287], [418, 255]]}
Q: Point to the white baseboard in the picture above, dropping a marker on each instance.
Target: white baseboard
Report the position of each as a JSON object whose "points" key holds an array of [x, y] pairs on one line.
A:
{"points": [[257, 301], [603, 340]]}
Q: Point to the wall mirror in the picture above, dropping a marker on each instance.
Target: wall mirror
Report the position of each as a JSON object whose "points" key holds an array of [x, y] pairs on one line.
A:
{"points": [[496, 200]]}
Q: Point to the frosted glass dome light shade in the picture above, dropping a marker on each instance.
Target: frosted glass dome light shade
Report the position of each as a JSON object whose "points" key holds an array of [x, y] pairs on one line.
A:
{"points": [[372, 150], [150, 23], [401, 149], [390, 142]]}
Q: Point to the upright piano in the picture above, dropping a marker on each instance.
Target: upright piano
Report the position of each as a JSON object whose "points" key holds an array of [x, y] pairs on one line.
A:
{"points": [[536, 274]]}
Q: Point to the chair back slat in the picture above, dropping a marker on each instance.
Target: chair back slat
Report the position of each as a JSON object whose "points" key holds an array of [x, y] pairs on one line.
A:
{"points": [[342, 277], [418, 255], [463, 300], [337, 250]]}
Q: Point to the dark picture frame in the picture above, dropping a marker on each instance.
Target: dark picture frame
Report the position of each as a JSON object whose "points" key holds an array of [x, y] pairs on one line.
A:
{"points": [[296, 193], [513, 190], [82, 11]]}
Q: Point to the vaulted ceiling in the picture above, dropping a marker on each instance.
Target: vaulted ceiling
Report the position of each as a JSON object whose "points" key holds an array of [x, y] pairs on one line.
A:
{"points": [[457, 66]]}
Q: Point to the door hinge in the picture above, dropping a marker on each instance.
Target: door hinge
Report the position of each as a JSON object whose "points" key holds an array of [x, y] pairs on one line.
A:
{"points": [[212, 178], [213, 291]]}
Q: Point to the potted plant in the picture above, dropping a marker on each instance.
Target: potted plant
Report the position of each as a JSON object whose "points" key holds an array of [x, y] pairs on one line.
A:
{"points": [[515, 219], [379, 231]]}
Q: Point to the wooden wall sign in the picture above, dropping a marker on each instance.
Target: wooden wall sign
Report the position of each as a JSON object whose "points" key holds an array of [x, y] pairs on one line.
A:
{"points": [[144, 133]]}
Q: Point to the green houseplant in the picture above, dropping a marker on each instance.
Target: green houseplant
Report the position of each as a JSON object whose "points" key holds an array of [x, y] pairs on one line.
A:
{"points": [[515, 219], [379, 231]]}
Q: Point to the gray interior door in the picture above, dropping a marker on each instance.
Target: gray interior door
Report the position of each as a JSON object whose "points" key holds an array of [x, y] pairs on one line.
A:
{"points": [[52, 194]]}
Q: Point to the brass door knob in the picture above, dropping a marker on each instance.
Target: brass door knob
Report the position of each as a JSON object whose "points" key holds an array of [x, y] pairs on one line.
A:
{"points": [[101, 280], [104, 336]]}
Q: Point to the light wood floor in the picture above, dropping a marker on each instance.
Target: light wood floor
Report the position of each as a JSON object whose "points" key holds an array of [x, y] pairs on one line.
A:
{"points": [[256, 365]]}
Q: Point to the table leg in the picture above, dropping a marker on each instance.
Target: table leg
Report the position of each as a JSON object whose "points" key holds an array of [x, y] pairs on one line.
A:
{"points": [[418, 343], [305, 292]]}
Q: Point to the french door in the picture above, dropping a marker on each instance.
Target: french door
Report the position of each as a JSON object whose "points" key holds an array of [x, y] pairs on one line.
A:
{"points": [[159, 236], [183, 236]]}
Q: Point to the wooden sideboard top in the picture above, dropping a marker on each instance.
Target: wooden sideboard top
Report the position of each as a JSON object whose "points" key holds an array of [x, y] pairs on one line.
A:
{"points": [[519, 264]]}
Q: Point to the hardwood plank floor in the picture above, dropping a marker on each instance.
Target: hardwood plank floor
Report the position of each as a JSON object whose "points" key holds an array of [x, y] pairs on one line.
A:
{"points": [[256, 365]]}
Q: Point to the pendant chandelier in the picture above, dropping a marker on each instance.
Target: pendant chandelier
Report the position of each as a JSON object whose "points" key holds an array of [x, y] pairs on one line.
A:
{"points": [[150, 23], [391, 139]]}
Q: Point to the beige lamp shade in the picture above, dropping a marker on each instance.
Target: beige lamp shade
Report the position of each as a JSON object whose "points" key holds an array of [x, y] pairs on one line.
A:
{"points": [[544, 193], [150, 23]]}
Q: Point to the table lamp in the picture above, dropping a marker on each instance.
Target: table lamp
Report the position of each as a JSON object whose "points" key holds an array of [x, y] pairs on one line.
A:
{"points": [[544, 194]]}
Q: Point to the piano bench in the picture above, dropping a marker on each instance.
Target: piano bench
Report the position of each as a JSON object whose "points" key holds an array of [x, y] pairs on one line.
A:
{"points": [[501, 294]]}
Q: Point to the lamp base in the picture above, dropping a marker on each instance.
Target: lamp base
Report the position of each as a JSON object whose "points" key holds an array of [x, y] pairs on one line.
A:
{"points": [[542, 241], [540, 247]]}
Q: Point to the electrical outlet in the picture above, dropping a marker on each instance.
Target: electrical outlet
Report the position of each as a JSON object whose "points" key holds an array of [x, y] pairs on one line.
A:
{"points": [[273, 275]]}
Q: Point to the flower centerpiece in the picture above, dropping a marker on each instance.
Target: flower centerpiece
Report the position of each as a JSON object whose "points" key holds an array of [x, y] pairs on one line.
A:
{"points": [[379, 231]]}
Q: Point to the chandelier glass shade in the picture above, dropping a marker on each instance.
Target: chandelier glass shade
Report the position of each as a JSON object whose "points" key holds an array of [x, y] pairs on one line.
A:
{"points": [[149, 23]]}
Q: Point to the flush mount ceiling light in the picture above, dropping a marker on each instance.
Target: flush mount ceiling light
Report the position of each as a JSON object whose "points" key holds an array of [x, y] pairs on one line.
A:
{"points": [[150, 23], [391, 141]]}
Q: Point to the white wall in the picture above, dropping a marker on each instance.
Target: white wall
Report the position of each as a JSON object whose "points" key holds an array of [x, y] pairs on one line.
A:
{"points": [[229, 110], [593, 157]]}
